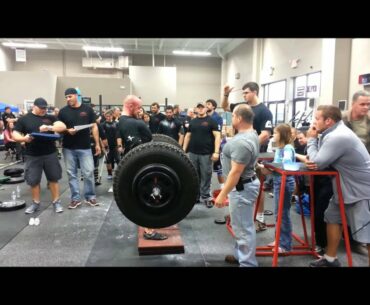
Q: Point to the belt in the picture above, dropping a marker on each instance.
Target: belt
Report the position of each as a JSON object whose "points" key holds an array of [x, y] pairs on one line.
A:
{"points": [[249, 180]]}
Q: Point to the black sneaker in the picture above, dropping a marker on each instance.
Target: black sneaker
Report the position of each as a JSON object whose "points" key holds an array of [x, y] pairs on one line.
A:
{"points": [[322, 262]]}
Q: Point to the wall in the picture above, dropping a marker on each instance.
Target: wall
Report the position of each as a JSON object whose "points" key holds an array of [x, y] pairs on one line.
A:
{"points": [[198, 79], [360, 64], [342, 64], [112, 90], [6, 62], [239, 60], [17, 86]]}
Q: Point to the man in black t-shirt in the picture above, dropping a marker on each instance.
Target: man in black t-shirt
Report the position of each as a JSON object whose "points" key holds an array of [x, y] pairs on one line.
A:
{"points": [[76, 147], [155, 117], [131, 133], [8, 116], [40, 153], [262, 123], [171, 126], [202, 141]]}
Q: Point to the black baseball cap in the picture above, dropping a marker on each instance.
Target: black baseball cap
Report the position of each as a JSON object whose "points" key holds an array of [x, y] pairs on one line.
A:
{"points": [[41, 103], [200, 105]]}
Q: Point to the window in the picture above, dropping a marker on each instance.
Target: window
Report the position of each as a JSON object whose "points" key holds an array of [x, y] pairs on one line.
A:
{"points": [[273, 95]]}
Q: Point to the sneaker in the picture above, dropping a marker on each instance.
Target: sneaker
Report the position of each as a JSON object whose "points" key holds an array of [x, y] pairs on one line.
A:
{"points": [[37, 221], [58, 207], [155, 236], [359, 248], [32, 221], [280, 251], [209, 204], [109, 177], [231, 259], [271, 245], [92, 202], [260, 226], [323, 262], [34, 207], [97, 183], [74, 204], [271, 195]]}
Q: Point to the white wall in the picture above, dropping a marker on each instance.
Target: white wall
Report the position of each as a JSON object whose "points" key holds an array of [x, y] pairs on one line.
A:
{"points": [[360, 64], [239, 60], [112, 90], [154, 84], [198, 79], [6, 62], [17, 86]]}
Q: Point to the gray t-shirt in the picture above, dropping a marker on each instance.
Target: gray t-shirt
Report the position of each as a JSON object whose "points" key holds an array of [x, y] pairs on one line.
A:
{"points": [[243, 148]]}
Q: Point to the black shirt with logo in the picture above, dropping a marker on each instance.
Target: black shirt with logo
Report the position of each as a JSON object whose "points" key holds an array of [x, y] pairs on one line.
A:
{"points": [[31, 123], [132, 132], [170, 128], [110, 129], [154, 121], [77, 116], [202, 140], [6, 116]]}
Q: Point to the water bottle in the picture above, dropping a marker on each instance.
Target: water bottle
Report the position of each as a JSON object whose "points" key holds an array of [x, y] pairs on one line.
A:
{"points": [[14, 197], [18, 192]]}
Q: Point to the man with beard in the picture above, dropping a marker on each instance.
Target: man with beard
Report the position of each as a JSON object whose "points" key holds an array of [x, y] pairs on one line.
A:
{"points": [[171, 126]]}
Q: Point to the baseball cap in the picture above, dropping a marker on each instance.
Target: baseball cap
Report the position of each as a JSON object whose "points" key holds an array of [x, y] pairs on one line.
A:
{"points": [[70, 91], [200, 105], [41, 103]]}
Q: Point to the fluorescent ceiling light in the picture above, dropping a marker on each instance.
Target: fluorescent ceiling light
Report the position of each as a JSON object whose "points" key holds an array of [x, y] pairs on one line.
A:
{"points": [[191, 53], [25, 45], [103, 49]]}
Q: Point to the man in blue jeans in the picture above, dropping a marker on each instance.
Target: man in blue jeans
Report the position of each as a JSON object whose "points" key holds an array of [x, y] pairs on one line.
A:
{"points": [[239, 158], [76, 147]]}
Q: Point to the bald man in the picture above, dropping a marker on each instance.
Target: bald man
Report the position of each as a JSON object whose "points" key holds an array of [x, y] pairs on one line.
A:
{"points": [[131, 133]]}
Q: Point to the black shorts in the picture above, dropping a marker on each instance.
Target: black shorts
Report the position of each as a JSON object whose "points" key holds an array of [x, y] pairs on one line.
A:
{"points": [[112, 156], [217, 167], [36, 164]]}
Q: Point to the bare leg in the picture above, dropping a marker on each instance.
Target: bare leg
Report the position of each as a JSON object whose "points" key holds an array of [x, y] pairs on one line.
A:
{"points": [[54, 189], [334, 233], [35, 191]]}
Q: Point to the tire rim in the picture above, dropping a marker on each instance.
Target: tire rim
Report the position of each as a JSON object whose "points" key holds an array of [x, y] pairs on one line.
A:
{"points": [[156, 186]]}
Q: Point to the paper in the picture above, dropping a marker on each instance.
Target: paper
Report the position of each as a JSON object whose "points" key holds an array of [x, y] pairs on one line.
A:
{"points": [[80, 127]]}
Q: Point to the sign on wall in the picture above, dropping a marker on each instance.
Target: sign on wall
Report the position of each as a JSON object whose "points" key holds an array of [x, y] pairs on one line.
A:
{"points": [[20, 55]]}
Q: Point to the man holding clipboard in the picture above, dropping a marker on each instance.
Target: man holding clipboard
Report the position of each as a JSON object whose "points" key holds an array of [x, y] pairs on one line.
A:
{"points": [[76, 147], [40, 152]]}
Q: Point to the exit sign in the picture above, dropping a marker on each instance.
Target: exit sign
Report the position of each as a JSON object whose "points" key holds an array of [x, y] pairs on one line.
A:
{"points": [[364, 79]]}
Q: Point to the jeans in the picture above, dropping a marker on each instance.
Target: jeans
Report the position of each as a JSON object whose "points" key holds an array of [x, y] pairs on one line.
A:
{"points": [[241, 206], [286, 223], [203, 165], [85, 158]]}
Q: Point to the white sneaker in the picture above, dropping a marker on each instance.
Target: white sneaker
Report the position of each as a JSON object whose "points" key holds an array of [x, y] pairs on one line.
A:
{"points": [[37, 221], [32, 221]]}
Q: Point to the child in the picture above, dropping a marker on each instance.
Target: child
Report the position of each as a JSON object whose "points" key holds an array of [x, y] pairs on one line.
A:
{"points": [[284, 153]]}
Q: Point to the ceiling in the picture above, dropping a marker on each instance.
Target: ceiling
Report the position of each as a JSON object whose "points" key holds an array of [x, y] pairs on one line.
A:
{"points": [[160, 46]]}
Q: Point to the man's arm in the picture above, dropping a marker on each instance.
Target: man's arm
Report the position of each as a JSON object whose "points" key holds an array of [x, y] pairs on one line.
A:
{"points": [[186, 141], [264, 136], [216, 152], [225, 99], [95, 132], [58, 127], [19, 138]]}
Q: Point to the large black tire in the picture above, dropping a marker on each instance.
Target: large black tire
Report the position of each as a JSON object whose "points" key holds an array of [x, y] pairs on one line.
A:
{"points": [[155, 185], [157, 137]]}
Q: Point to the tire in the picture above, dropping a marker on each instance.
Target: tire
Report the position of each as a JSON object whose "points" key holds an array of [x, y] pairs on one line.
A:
{"points": [[6, 207], [157, 137], [155, 185]]}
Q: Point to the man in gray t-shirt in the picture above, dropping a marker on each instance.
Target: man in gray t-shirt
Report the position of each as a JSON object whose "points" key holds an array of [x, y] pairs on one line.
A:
{"points": [[239, 158]]}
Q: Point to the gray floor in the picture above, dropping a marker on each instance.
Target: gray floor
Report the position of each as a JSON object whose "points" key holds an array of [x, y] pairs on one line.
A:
{"points": [[102, 236]]}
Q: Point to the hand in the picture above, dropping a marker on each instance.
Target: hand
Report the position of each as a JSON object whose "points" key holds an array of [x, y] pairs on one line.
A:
{"points": [[219, 201], [97, 150], [44, 128], [214, 157], [120, 149], [312, 132], [28, 138], [311, 165], [72, 131], [228, 89]]}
